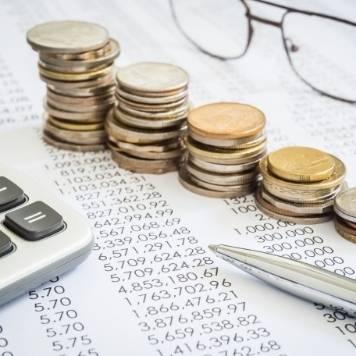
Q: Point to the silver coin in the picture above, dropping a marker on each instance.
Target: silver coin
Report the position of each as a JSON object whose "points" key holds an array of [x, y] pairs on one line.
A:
{"points": [[152, 100], [145, 123], [134, 135], [153, 155], [232, 144], [67, 36], [152, 77], [106, 106], [222, 168], [158, 148], [185, 180], [344, 216], [56, 64], [90, 117], [345, 202], [139, 165], [308, 219], [299, 208], [55, 142], [222, 179], [78, 100], [78, 137]]}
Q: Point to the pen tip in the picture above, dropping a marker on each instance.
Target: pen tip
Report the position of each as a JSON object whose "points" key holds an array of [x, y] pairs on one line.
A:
{"points": [[213, 248]]}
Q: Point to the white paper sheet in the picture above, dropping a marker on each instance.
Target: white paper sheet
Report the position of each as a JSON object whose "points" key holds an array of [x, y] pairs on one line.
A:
{"points": [[151, 287]]}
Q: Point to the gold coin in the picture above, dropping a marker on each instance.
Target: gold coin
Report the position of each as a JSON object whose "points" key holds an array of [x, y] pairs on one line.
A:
{"points": [[345, 231], [334, 180], [226, 120], [301, 164]]}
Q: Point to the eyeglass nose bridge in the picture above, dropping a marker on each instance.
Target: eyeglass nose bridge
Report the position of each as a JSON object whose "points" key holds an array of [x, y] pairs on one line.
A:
{"points": [[260, 19]]}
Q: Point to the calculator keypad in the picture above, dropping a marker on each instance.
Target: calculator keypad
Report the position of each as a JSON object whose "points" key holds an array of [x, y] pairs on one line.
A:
{"points": [[34, 221], [5, 244], [10, 194]]}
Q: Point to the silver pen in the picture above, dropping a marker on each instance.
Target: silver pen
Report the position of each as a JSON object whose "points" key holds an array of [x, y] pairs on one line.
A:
{"points": [[299, 278]]}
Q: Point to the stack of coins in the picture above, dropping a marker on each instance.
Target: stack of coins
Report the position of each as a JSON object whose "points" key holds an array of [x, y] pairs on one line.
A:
{"points": [[225, 143], [299, 184], [76, 62], [345, 211], [146, 126]]}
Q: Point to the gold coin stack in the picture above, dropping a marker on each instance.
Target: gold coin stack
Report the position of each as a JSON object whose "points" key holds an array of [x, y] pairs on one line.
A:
{"points": [[299, 184], [145, 128], [76, 63], [224, 144], [345, 214]]}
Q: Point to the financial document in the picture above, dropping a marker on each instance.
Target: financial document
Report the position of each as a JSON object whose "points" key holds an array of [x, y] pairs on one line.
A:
{"points": [[151, 286]]}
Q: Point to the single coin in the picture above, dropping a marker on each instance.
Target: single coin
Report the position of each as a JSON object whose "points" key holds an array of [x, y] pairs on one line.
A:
{"points": [[145, 123], [74, 126], [153, 155], [152, 108], [75, 100], [53, 141], [237, 144], [135, 135], [298, 208], [220, 155], [301, 164], [152, 77], [221, 179], [106, 58], [240, 189], [222, 168], [77, 137], [344, 216], [283, 215], [181, 95], [346, 202], [299, 195], [84, 92], [75, 70], [67, 36], [158, 148], [179, 113], [352, 225], [187, 183], [75, 77], [139, 165], [100, 83], [88, 117], [334, 180], [226, 120], [82, 108], [345, 231]]}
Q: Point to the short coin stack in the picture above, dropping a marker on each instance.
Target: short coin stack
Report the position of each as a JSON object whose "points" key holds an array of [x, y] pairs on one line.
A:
{"points": [[345, 211], [225, 143], [299, 184], [76, 62], [145, 128]]}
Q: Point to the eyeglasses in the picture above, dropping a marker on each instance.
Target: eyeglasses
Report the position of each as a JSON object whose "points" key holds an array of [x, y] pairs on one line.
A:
{"points": [[321, 49]]}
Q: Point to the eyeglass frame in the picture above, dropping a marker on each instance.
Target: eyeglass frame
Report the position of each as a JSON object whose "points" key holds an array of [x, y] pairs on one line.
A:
{"points": [[279, 24]]}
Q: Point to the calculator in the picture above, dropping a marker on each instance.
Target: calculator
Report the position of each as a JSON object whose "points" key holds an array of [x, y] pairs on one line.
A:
{"points": [[41, 236]]}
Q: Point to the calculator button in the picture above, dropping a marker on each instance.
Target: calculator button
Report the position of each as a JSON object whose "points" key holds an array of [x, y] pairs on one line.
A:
{"points": [[10, 194], [34, 221], [5, 244]]}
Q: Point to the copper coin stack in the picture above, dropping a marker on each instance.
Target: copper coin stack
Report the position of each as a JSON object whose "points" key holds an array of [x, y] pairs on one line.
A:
{"points": [[76, 63], [146, 126], [345, 214], [225, 143], [299, 184]]}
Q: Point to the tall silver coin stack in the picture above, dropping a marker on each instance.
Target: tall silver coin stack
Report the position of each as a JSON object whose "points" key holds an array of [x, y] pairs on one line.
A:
{"points": [[146, 126], [76, 62]]}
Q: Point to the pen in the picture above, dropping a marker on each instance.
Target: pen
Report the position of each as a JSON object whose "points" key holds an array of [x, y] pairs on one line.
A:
{"points": [[299, 278]]}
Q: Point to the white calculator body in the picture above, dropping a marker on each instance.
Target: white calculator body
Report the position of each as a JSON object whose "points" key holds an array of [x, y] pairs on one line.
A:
{"points": [[41, 236]]}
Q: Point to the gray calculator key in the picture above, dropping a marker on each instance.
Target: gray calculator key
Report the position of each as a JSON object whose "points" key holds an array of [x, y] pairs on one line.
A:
{"points": [[5, 244], [10, 194], [34, 221]]}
